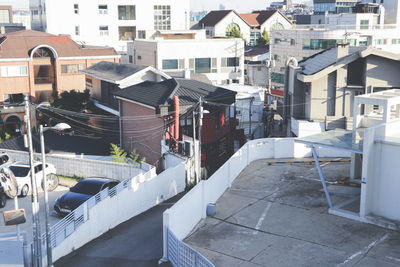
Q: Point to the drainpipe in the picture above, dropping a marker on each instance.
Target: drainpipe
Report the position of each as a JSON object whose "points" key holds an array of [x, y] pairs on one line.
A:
{"points": [[176, 117]]}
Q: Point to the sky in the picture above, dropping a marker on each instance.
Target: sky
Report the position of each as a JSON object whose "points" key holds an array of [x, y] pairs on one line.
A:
{"points": [[242, 6]]}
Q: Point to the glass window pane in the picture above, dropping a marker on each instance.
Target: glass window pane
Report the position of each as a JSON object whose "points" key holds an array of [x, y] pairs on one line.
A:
{"points": [[170, 64], [203, 65]]}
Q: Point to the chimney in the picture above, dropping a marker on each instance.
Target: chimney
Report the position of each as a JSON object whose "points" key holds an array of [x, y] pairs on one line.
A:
{"points": [[342, 50]]}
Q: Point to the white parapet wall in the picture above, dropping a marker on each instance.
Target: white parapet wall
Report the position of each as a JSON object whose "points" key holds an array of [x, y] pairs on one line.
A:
{"points": [[181, 218], [84, 168], [111, 207]]}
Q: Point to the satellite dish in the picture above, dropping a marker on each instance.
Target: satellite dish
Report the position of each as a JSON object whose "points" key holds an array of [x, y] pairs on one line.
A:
{"points": [[8, 182]]}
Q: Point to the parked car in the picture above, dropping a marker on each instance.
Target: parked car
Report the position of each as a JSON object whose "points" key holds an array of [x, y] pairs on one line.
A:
{"points": [[81, 192], [22, 172], [3, 197]]}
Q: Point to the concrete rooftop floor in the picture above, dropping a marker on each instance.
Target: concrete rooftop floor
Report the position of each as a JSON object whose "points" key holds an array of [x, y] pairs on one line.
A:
{"points": [[276, 215]]}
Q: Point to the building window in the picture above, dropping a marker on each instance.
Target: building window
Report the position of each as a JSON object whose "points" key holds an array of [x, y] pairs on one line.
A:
{"points": [[162, 17], [89, 83], [77, 30], [12, 71], [378, 41], [130, 59], [142, 34], [277, 77], [170, 64], [5, 16], [71, 68], [76, 9], [364, 24], [254, 37], [126, 12], [103, 30], [363, 43], [127, 33], [232, 61], [292, 42], [317, 44], [103, 9], [202, 65], [395, 41]]}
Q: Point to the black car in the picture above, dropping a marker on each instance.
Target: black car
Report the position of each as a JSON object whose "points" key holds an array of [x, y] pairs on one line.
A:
{"points": [[3, 197], [81, 192]]}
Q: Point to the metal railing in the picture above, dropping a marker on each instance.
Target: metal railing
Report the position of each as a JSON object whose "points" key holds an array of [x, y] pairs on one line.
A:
{"points": [[182, 255], [340, 27], [66, 226]]}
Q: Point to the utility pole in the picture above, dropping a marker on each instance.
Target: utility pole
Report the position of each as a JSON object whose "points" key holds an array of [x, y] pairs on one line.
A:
{"points": [[196, 174], [200, 128], [46, 201], [37, 246]]}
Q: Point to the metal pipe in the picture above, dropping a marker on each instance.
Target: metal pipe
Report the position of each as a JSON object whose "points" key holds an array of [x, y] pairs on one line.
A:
{"points": [[46, 200], [200, 129], [322, 177], [37, 251], [17, 207], [196, 175]]}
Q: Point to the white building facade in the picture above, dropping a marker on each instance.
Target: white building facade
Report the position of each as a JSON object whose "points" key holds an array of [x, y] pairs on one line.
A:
{"points": [[221, 60], [110, 22], [304, 41]]}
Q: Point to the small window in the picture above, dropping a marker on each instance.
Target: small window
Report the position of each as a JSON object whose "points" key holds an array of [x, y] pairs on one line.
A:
{"points": [[170, 64], [127, 33], [232, 61], [89, 83], [292, 41], [142, 34], [77, 30], [139, 57], [71, 68], [103, 30], [13, 71], [126, 13], [130, 59], [76, 9], [103, 9]]}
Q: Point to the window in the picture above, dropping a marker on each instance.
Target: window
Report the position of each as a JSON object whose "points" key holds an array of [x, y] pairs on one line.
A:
{"points": [[130, 59], [76, 9], [12, 71], [13, 98], [202, 65], [254, 37], [35, 12], [127, 33], [89, 83], [317, 44], [277, 40], [378, 41], [71, 68], [395, 41], [292, 42], [142, 34], [103, 9], [170, 64], [232, 61], [364, 24], [277, 77], [103, 30], [162, 17], [139, 57], [126, 13], [77, 30], [5, 16]]}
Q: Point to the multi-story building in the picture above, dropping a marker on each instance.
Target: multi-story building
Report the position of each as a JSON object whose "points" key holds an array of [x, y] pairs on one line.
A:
{"points": [[221, 60], [111, 22], [40, 64], [357, 29], [7, 22]]}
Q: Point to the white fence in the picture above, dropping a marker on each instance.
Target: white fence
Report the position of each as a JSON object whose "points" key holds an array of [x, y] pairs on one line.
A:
{"points": [[181, 218], [85, 168], [111, 207]]}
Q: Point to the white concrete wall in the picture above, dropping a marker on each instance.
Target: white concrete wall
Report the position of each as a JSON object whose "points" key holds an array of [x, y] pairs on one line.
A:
{"points": [[276, 18], [303, 128], [181, 222], [380, 174], [144, 192], [85, 168], [220, 28], [89, 19]]}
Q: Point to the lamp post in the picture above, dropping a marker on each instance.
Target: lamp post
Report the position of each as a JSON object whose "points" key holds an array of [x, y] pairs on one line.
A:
{"points": [[58, 127]]}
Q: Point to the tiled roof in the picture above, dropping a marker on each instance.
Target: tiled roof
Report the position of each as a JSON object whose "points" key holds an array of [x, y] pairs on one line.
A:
{"points": [[252, 51], [189, 91], [251, 19], [149, 93], [19, 44], [324, 59], [112, 71], [213, 17]]}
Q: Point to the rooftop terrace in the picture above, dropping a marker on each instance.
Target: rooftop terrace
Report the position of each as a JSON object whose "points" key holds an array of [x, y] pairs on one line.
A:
{"points": [[275, 214]]}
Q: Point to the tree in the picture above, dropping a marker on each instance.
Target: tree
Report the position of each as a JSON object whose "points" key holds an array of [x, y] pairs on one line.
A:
{"points": [[72, 100], [118, 154], [235, 32], [264, 38]]}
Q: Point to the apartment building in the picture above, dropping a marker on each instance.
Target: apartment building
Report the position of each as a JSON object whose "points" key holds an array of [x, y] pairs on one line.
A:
{"points": [[183, 53], [357, 29], [39, 64], [109, 23]]}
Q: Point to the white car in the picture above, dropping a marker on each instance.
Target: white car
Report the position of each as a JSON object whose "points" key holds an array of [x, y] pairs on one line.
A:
{"points": [[22, 172]]}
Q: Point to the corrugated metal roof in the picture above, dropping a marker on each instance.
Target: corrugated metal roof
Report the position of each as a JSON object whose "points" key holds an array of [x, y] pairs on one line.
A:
{"points": [[324, 59], [112, 71]]}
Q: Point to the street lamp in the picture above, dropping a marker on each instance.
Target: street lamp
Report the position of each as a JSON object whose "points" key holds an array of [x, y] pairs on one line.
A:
{"points": [[58, 127]]}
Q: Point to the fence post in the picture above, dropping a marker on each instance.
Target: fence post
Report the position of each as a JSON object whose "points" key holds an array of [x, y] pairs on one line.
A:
{"points": [[165, 238], [229, 173], [248, 153]]}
